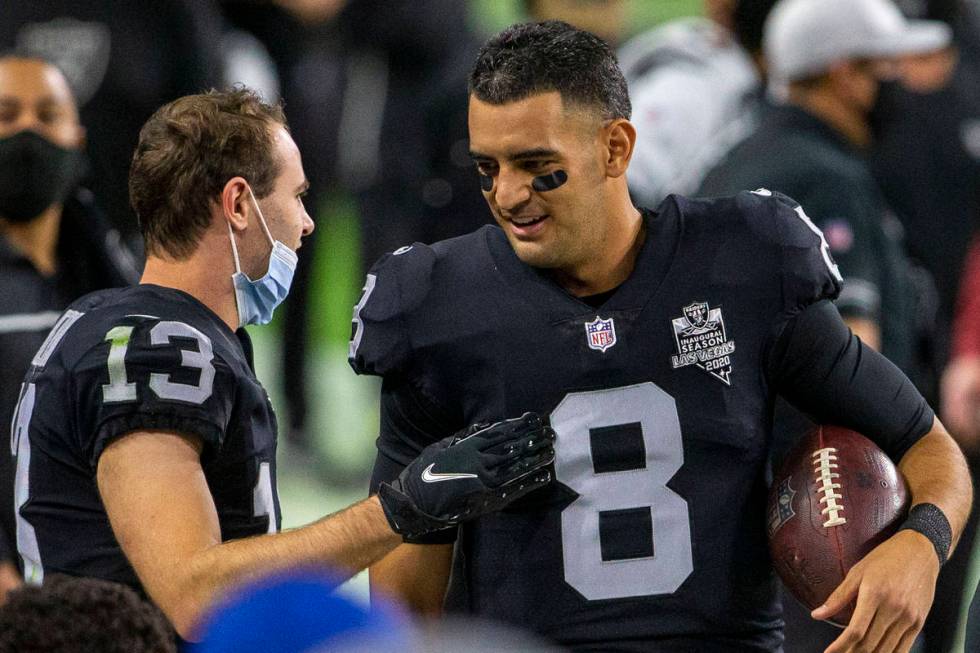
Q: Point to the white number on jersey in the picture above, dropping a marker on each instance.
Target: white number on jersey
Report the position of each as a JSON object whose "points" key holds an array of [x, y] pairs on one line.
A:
{"points": [[119, 389], [670, 564]]}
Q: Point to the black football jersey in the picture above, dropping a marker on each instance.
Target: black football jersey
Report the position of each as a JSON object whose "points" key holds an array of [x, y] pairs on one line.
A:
{"points": [[119, 361], [653, 538]]}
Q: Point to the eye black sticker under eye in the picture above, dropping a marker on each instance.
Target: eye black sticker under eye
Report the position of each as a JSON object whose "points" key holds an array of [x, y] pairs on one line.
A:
{"points": [[550, 181], [486, 183]]}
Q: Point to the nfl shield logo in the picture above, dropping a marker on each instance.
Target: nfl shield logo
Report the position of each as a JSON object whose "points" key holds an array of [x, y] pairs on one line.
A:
{"points": [[600, 334]]}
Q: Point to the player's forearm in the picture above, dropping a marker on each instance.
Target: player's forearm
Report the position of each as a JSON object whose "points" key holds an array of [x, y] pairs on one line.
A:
{"points": [[937, 473], [345, 543], [415, 574]]}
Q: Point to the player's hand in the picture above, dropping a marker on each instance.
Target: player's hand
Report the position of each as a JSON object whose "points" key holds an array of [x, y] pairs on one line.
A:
{"points": [[894, 587], [476, 471]]}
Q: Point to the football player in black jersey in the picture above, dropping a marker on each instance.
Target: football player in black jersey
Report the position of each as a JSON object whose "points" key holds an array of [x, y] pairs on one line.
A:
{"points": [[656, 342], [145, 445]]}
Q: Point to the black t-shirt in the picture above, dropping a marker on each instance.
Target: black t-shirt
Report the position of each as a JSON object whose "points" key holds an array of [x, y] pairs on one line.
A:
{"points": [[118, 361], [653, 537], [90, 256], [795, 153]]}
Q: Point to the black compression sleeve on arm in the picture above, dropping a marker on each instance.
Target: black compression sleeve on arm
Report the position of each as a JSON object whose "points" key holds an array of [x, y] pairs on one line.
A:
{"points": [[823, 369]]}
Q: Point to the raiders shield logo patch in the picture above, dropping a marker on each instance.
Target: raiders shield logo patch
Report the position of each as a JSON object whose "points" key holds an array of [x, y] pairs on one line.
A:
{"points": [[702, 341]]}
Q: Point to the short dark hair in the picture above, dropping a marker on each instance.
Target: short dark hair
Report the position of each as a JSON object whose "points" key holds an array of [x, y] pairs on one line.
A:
{"points": [[748, 22], [187, 152], [82, 615], [532, 58]]}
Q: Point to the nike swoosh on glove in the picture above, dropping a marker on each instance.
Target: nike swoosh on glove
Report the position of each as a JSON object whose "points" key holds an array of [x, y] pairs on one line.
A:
{"points": [[478, 470]]}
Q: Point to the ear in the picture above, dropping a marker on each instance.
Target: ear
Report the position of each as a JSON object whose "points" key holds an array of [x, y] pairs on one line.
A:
{"points": [[620, 137], [234, 203]]}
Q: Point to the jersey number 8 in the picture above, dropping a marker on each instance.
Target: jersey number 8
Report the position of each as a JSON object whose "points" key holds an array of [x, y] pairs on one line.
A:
{"points": [[627, 534]]}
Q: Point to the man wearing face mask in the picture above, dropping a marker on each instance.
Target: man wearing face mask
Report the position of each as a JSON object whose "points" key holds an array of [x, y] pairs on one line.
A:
{"points": [[54, 244], [827, 62], [146, 446]]}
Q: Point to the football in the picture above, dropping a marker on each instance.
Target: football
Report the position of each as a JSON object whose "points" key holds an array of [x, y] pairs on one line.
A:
{"points": [[836, 497]]}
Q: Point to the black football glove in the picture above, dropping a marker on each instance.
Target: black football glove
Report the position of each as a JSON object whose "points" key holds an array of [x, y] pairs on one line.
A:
{"points": [[479, 470]]}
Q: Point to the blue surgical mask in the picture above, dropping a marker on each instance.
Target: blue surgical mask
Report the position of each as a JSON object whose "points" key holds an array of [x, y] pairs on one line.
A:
{"points": [[257, 300]]}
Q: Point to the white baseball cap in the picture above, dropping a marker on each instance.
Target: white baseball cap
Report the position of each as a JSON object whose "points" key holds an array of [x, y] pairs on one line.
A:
{"points": [[805, 37]]}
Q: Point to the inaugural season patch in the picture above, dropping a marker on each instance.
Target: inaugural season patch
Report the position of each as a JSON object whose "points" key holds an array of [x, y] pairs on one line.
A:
{"points": [[702, 341]]}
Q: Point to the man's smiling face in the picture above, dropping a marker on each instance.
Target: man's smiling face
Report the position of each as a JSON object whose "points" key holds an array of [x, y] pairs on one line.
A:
{"points": [[514, 143]]}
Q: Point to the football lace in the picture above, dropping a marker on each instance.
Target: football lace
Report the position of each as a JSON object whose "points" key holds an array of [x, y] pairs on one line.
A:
{"points": [[824, 464]]}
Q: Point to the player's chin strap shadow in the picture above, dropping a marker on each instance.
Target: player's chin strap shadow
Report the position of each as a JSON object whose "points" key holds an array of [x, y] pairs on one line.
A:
{"points": [[541, 183]]}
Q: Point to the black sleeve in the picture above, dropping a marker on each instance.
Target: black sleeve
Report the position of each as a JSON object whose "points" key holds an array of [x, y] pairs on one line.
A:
{"points": [[823, 369], [806, 270], [149, 373], [396, 286], [409, 423], [847, 213]]}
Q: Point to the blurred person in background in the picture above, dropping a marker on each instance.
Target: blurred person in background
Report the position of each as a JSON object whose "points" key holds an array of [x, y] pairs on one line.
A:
{"points": [[961, 383], [123, 60], [961, 408], [926, 157], [299, 611], [400, 55], [55, 245], [832, 59], [695, 84], [82, 615], [607, 19], [829, 61]]}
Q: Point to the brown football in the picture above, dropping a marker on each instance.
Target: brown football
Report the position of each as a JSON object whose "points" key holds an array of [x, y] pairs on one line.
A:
{"points": [[836, 498]]}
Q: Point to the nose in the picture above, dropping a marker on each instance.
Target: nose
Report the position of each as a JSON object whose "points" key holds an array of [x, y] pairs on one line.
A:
{"points": [[308, 224], [26, 119], [512, 190]]}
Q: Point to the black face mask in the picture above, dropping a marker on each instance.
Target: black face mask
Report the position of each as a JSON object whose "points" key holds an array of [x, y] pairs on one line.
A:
{"points": [[34, 174], [887, 107]]}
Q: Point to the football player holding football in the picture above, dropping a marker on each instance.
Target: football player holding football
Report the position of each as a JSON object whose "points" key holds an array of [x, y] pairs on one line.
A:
{"points": [[655, 341], [146, 447]]}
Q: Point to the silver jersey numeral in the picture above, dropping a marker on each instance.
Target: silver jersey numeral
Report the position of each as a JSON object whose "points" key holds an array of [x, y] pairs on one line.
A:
{"points": [[671, 562]]}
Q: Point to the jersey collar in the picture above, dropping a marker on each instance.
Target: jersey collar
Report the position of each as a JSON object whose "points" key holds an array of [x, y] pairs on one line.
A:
{"points": [[652, 265]]}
